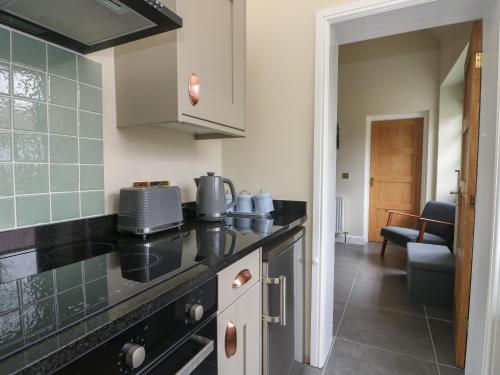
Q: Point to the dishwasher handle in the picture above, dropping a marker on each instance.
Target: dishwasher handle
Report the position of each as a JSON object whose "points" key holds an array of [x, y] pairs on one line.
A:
{"points": [[199, 357], [281, 319]]}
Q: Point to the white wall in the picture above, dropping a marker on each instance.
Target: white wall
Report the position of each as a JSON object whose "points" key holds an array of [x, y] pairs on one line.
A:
{"points": [[451, 100], [387, 76], [149, 153]]}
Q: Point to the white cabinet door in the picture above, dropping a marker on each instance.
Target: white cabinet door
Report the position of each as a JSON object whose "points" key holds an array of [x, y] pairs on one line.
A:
{"points": [[241, 356], [212, 46], [249, 319], [229, 355]]}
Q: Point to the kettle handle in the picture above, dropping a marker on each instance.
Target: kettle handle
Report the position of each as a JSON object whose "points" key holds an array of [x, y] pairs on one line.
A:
{"points": [[233, 193], [233, 241]]}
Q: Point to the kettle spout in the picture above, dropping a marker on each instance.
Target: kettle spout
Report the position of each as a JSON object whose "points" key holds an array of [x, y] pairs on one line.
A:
{"points": [[197, 181]]}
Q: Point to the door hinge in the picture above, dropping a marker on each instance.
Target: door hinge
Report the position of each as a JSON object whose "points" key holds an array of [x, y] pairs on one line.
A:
{"points": [[472, 201], [466, 324], [479, 60]]}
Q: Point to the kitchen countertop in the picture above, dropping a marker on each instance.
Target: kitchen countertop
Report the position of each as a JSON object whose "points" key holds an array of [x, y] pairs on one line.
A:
{"points": [[53, 350]]}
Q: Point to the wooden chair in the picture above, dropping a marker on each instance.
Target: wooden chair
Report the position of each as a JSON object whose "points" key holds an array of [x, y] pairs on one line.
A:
{"points": [[435, 226]]}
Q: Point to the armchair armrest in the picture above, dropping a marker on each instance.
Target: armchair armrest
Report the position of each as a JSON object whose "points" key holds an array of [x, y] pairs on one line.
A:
{"points": [[391, 212], [436, 221], [424, 225]]}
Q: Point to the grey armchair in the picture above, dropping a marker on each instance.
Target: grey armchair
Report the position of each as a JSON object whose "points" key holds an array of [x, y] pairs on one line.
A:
{"points": [[435, 226]]}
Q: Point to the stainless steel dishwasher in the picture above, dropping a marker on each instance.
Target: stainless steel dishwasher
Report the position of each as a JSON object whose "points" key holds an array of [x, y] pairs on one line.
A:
{"points": [[283, 275]]}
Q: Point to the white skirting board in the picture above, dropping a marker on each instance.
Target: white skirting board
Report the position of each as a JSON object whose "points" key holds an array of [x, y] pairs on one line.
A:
{"points": [[353, 240]]}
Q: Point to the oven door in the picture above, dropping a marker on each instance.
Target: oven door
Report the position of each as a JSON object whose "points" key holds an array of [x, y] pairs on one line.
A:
{"points": [[197, 355]]}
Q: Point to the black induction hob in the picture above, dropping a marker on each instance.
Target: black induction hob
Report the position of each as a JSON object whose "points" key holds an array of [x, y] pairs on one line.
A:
{"points": [[45, 291]]}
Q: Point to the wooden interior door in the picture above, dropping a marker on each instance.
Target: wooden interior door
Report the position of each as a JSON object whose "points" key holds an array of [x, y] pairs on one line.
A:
{"points": [[467, 191], [396, 172]]}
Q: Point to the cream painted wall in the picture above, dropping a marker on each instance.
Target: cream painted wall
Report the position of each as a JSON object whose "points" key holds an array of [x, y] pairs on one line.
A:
{"points": [[277, 153], [401, 80], [451, 100], [149, 153]]}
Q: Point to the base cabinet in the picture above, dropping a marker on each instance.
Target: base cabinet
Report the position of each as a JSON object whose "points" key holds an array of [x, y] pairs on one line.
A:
{"points": [[239, 328], [239, 336]]}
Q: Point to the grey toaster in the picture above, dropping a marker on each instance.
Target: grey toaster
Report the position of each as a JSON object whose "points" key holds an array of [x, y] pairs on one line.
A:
{"points": [[147, 210]]}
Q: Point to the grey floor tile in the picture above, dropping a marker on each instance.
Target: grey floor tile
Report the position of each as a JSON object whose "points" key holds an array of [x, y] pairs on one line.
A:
{"points": [[403, 333], [384, 290], [338, 310], [444, 343], [446, 370], [392, 263], [439, 313], [349, 358], [302, 369], [349, 251], [345, 273]]}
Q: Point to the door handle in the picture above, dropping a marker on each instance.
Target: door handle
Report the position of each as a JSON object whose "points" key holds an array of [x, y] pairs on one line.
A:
{"points": [[281, 319], [231, 339], [243, 277], [454, 192]]}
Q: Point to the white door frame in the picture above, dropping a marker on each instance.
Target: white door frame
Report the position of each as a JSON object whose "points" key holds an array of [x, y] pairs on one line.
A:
{"points": [[426, 162], [484, 323]]}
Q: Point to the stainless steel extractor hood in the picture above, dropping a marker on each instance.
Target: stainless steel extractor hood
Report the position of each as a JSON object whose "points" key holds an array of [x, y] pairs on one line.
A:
{"points": [[88, 25]]}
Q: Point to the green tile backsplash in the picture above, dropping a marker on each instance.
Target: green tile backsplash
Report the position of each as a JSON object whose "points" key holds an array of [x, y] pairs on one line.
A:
{"points": [[31, 178], [63, 177], [29, 83], [5, 146], [30, 116], [62, 91], [61, 62], [51, 131], [4, 112], [4, 78], [4, 44], [65, 206], [63, 120], [6, 183], [28, 51]]}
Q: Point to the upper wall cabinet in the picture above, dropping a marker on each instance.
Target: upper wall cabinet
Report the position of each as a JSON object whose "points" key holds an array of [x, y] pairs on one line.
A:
{"points": [[192, 79]]}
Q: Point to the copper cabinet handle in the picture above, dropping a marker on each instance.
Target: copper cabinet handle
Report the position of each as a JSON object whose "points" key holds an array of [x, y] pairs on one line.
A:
{"points": [[243, 277], [194, 89], [231, 339]]}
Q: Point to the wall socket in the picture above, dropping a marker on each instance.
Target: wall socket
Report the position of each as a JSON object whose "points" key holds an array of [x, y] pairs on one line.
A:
{"points": [[345, 175]]}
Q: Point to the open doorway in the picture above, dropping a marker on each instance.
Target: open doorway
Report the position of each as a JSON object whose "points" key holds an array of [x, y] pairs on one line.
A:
{"points": [[380, 80], [361, 21]]}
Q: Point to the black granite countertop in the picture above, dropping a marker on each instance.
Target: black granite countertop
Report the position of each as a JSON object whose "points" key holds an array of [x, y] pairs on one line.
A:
{"points": [[66, 337]]}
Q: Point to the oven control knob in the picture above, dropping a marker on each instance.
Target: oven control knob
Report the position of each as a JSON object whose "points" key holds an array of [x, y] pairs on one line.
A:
{"points": [[134, 355], [196, 312]]}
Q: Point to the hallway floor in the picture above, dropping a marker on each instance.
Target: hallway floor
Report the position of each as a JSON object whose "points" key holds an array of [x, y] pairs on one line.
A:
{"points": [[377, 330]]}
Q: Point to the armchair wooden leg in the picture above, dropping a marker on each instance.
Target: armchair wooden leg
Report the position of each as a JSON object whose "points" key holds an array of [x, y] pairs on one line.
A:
{"points": [[382, 250]]}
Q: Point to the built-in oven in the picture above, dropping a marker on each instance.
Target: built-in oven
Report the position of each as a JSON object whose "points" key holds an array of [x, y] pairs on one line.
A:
{"points": [[180, 339]]}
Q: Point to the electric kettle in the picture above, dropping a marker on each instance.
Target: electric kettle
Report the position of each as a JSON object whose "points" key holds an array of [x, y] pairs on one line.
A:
{"points": [[211, 197]]}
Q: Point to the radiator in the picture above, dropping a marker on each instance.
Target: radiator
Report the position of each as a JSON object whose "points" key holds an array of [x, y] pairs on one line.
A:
{"points": [[339, 227]]}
